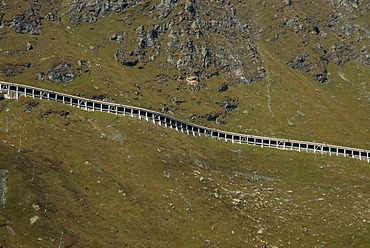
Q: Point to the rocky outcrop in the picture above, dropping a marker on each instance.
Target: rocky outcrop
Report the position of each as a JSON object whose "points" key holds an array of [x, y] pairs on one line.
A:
{"points": [[62, 72], [351, 5], [27, 23], [90, 10], [315, 68], [341, 53], [230, 104], [12, 69], [195, 42]]}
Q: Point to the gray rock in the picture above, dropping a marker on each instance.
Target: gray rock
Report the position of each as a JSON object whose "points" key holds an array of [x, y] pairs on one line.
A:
{"points": [[3, 187], [230, 104], [364, 57], [164, 109], [171, 59], [211, 117], [322, 77], [299, 61], [83, 66], [52, 17], [341, 53], [129, 63], [62, 72], [29, 46], [1, 20], [27, 23], [40, 76], [223, 88], [315, 30], [118, 55], [190, 8], [113, 37], [164, 8], [11, 70], [176, 101], [91, 10]]}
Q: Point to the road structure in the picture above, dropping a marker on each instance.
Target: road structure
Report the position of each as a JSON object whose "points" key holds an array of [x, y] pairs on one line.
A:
{"points": [[14, 91]]}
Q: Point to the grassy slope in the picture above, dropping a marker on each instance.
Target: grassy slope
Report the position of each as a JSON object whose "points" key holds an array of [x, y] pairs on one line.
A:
{"points": [[123, 194], [96, 214]]}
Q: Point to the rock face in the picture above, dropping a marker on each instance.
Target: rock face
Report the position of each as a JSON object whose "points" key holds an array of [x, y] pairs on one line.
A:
{"points": [[27, 23], [62, 72]]}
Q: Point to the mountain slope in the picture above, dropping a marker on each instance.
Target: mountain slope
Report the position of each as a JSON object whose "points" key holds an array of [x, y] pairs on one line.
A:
{"points": [[138, 178], [290, 69]]}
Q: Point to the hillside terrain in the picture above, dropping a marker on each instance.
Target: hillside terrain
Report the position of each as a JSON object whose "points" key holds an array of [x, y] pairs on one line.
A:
{"points": [[282, 68]]}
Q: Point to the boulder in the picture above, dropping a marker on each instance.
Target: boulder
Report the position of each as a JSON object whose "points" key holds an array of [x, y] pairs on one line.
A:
{"points": [[29, 46], [223, 88]]}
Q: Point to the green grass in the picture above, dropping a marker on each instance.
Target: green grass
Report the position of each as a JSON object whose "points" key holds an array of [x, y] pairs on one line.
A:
{"points": [[133, 195]]}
